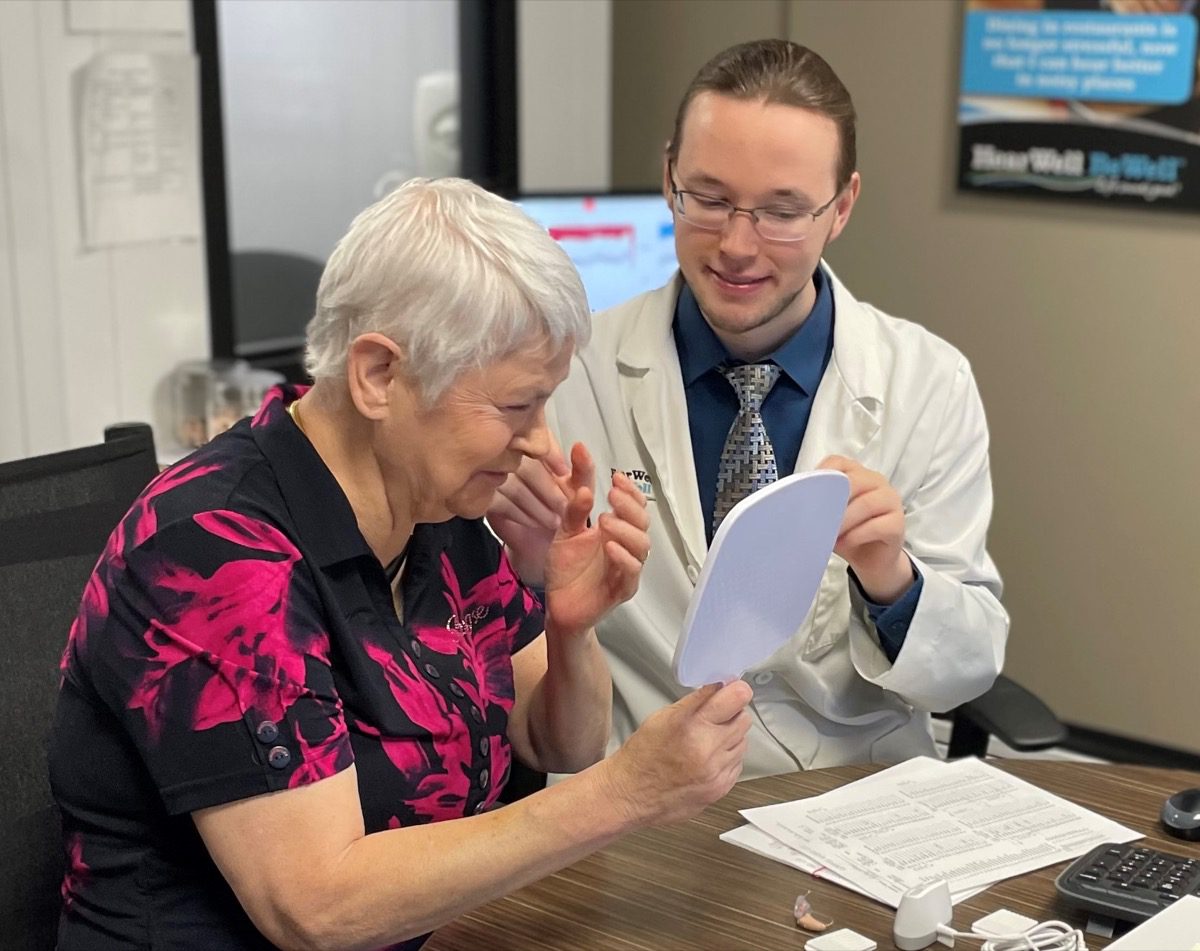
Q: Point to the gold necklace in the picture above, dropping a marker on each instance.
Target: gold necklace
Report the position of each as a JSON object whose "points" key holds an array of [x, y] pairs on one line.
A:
{"points": [[294, 412]]}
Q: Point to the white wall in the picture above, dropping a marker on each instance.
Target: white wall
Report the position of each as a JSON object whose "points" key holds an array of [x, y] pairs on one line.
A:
{"points": [[85, 336]]}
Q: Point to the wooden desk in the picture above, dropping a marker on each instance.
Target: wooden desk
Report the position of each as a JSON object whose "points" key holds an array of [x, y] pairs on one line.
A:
{"points": [[679, 887]]}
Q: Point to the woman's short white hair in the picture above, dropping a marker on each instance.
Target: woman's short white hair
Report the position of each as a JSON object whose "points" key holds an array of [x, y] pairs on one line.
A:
{"points": [[457, 276]]}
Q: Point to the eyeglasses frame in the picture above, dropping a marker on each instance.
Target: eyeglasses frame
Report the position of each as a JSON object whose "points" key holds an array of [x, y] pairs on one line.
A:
{"points": [[752, 213]]}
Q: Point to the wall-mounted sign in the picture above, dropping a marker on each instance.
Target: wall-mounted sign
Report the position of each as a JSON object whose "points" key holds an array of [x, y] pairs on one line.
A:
{"points": [[1095, 100]]}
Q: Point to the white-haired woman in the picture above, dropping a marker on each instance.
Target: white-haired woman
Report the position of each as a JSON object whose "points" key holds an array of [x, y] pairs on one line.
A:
{"points": [[303, 664]]}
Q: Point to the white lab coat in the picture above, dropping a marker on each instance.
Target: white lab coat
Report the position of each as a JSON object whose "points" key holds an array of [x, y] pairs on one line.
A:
{"points": [[897, 399]]}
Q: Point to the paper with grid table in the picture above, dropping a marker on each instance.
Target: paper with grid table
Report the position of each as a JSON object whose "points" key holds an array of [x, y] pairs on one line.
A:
{"points": [[925, 819]]}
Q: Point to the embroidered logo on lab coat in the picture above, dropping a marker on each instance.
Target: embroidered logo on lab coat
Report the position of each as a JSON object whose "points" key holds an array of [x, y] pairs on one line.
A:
{"points": [[640, 478]]}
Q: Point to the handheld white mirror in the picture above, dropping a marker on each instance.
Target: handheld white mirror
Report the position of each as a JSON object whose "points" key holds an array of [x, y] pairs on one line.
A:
{"points": [[760, 577]]}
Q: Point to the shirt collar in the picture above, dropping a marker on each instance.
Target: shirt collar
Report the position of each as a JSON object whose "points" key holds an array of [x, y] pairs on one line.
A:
{"points": [[802, 356], [319, 508]]}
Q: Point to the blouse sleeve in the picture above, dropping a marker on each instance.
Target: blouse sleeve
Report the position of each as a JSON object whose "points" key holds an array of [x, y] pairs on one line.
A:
{"points": [[213, 654]]}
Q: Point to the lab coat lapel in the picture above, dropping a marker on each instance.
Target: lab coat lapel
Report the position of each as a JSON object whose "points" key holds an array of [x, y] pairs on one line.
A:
{"points": [[652, 385], [847, 408]]}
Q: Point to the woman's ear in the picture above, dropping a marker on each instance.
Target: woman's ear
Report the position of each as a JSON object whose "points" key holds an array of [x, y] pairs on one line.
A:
{"points": [[374, 367]]}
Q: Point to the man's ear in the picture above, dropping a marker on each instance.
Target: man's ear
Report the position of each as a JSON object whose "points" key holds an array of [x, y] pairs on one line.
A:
{"points": [[375, 365], [666, 182], [845, 204]]}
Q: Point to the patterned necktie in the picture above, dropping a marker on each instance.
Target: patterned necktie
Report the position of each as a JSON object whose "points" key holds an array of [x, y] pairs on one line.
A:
{"points": [[748, 459]]}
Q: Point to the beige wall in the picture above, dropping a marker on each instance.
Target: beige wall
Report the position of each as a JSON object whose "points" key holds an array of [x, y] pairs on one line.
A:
{"points": [[657, 47], [1083, 325]]}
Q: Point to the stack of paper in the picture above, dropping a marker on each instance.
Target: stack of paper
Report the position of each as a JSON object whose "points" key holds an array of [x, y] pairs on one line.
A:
{"points": [[966, 822]]}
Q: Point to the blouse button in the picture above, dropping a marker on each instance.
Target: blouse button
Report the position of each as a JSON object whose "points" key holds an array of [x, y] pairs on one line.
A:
{"points": [[484, 775], [479, 807], [433, 671], [267, 732], [456, 689], [484, 746], [476, 714], [415, 645], [279, 757]]}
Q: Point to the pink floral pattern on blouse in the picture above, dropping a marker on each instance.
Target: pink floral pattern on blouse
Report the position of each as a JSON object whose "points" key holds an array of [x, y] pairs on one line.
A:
{"points": [[237, 637]]}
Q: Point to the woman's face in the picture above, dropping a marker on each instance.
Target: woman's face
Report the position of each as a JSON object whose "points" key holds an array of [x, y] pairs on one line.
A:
{"points": [[479, 430]]}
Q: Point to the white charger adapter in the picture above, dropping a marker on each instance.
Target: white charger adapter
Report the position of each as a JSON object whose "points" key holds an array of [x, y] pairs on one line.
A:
{"points": [[922, 910]]}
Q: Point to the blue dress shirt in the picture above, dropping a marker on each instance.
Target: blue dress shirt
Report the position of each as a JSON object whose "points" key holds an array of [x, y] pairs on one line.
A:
{"points": [[712, 406]]}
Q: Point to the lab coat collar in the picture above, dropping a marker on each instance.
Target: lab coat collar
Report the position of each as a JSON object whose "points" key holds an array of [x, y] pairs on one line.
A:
{"points": [[853, 388]]}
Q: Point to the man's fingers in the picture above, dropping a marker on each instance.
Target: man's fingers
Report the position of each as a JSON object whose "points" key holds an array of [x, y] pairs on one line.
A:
{"points": [[537, 477], [502, 510], [875, 530], [555, 461], [866, 507], [837, 463], [517, 502]]}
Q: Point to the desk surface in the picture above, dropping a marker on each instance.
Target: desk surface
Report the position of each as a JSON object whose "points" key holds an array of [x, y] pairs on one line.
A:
{"points": [[679, 887]]}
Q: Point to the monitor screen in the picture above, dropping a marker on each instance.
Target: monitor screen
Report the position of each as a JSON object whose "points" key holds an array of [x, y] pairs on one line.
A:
{"points": [[622, 244]]}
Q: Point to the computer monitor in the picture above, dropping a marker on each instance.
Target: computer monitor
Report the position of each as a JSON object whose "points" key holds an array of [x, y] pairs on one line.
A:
{"points": [[623, 243]]}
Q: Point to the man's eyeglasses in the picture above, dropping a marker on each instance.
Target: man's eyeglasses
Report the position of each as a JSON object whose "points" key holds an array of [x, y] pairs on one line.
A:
{"points": [[780, 222]]}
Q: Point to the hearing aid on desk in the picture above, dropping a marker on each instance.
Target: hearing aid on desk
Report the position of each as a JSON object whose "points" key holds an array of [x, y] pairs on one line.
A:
{"points": [[806, 917]]}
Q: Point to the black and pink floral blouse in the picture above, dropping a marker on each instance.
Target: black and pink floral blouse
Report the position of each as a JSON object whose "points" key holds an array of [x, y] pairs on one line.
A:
{"points": [[239, 637]]}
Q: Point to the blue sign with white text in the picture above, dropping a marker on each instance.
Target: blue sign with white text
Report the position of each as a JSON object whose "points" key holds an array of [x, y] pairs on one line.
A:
{"points": [[1097, 57]]}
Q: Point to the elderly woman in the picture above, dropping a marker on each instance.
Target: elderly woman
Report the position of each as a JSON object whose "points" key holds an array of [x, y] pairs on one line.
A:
{"points": [[303, 663]]}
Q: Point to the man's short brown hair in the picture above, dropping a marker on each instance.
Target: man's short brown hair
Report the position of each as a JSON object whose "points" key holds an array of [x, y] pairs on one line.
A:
{"points": [[780, 72]]}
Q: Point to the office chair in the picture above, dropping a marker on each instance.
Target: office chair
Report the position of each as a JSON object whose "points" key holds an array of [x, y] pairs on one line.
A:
{"points": [[56, 513], [274, 295], [1009, 712]]}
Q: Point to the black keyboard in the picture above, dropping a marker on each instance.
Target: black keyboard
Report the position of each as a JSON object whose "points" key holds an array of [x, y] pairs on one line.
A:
{"points": [[1130, 882]]}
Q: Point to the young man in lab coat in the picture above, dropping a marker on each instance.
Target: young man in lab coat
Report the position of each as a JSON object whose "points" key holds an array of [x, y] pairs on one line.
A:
{"points": [[760, 175]]}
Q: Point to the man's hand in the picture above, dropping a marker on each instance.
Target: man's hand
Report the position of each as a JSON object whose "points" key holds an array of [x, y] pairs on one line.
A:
{"points": [[527, 512], [590, 569], [871, 538], [684, 757]]}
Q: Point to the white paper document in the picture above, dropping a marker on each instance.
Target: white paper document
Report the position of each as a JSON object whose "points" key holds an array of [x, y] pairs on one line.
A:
{"points": [[139, 166], [925, 819]]}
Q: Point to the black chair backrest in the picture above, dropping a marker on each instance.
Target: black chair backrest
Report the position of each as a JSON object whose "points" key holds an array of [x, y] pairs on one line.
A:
{"points": [[274, 295], [56, 513]]}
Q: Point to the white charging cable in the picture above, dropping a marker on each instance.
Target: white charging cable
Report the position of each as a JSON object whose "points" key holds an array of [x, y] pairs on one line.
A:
{"points": [[1044, 936]]}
